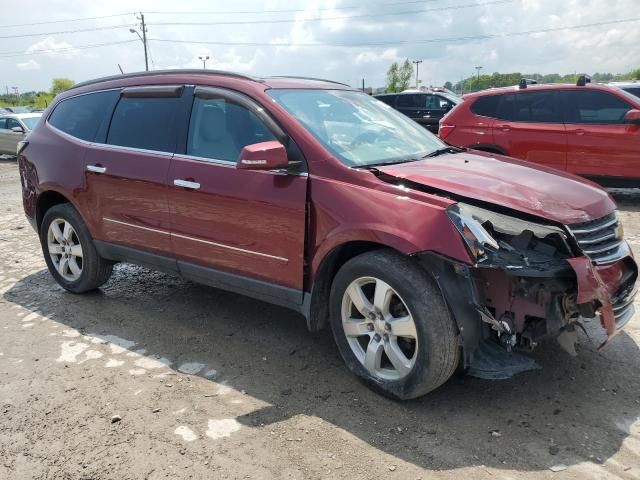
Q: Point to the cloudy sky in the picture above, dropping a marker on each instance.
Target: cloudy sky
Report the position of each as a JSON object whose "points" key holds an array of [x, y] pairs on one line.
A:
{"points": [[343, 40]]}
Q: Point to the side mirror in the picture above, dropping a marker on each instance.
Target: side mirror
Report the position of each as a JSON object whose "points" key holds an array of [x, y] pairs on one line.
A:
{"points": [[17, 129], [633, 117], [263, 156]]}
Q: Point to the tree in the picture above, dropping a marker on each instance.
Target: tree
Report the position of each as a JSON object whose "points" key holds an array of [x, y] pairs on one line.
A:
{"points": [[405, 73], [448, 85], [59, 85], [392, 78]]}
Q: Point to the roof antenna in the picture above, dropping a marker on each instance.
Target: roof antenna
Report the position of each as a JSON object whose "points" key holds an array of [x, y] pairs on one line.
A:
{"points": [[121, 71]]}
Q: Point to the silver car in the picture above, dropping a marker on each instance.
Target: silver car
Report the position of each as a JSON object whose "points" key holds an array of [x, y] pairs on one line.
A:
{"points": [[13, 128]]}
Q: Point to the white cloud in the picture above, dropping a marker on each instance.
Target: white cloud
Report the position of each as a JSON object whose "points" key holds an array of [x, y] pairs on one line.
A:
{"points": [[28, 65], [53, 48]]}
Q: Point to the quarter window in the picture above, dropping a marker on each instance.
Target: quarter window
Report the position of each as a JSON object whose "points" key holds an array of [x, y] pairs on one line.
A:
{"points": [[595, 107], [486, 106], [145, 122], [83, 115], [220, 129]]}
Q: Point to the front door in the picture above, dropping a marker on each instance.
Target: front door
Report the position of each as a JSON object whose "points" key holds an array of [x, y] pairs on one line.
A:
{"points": [[8, 138], [240, 229], [127, 174], [601, 144]]}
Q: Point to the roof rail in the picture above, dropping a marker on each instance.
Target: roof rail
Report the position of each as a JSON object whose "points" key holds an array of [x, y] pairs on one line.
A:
{"points": [[165, 72], [524, 82], [309, 78], [583, 80]]}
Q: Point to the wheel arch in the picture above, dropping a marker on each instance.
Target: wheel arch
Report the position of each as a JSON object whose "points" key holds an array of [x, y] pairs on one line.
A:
{"points": [[316, 302], [46, 200]]}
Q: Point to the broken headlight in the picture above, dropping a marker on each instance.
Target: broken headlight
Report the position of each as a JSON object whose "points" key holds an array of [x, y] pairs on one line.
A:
{"points": [[482, 229]]}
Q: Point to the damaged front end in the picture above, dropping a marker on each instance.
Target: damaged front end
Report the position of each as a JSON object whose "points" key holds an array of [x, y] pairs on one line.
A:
{"points": [[532, 279]]}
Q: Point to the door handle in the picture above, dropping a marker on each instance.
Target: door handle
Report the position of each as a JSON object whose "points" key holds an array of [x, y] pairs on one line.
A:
{"points": [[186, 184], [579, 131], [96, 168], [504, 128]]}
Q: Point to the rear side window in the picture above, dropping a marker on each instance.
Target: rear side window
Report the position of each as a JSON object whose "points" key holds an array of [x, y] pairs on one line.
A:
{"points": [[144, 122], [411, 101], [507, 107], [595, 107], [220, 129], [388, 99], [82, 116], [486, 106], [3, 123], [540, 107]]}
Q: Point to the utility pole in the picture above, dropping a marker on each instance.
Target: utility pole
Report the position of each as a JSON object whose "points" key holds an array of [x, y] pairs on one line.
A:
{"points": [[417, 64], [143, 39], [363, 84], [17, 93]]}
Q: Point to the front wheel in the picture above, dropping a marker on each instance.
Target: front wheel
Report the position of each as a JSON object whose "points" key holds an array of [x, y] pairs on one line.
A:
{"points": [[392, 325]]}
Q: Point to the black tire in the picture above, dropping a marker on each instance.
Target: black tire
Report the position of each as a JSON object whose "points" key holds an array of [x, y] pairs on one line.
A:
{"points": [[95, 269], [438, 351]]}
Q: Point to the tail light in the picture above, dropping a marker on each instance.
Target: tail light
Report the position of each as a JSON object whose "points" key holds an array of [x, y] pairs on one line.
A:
{"points": [[21, 146], [445, 130]]}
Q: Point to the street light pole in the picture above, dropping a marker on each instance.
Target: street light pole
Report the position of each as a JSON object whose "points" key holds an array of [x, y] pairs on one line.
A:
{"points": [[417, 64], [204, 61], [478, 69]]}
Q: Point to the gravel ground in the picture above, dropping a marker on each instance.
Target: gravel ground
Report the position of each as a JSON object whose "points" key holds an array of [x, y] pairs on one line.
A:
{"points": [[154, 377]]}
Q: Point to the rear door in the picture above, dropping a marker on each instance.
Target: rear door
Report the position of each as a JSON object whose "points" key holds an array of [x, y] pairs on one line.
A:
{"points": [[530, 126], [600, 143], [240, 229], [413, 106], [127, 171]]}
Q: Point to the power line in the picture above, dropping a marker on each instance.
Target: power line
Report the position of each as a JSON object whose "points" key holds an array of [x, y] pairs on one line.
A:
{"points": [[49, 22], [62, 50], [287, 10], [61, 32], [344, 17], [399, 42]]}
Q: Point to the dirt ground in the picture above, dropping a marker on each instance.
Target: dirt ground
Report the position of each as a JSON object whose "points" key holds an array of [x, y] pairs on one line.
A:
{"points": [[213, 385]]}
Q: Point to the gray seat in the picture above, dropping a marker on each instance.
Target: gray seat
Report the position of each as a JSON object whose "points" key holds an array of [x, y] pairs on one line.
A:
{"points": [[211, 139]]}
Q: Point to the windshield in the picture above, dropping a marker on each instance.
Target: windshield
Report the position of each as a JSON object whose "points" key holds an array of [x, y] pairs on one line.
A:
{"points": [[356, 128], [30, 122]]}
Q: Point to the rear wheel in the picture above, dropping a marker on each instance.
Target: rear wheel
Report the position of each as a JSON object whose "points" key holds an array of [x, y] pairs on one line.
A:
{"points": [[69, 251], [392, 325]]}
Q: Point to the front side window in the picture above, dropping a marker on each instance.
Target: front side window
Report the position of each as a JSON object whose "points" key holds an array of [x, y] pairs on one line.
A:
{"points": [[356, 128], [635, 91], [83, 115], [594, 107], [219, 129], [147, 123]]}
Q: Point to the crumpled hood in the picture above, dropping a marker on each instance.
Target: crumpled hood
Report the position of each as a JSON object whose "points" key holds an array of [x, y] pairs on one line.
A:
{"points": [[511, 183]]}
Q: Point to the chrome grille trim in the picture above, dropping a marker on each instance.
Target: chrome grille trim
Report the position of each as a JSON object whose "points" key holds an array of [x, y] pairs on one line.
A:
{"points": [[598, 239]]}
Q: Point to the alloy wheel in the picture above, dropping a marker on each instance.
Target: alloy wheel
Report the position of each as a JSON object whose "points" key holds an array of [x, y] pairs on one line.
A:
{"points": [[379, 328], [65, 249]]}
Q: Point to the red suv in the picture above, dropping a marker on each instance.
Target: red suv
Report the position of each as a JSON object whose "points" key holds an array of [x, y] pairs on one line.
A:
{"points": [[587, 129], [312, 195]]}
